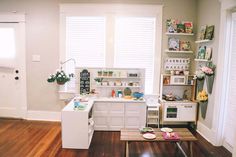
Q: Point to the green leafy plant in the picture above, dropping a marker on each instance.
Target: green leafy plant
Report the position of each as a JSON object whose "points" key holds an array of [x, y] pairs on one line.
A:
{"points": [[60, 77]]}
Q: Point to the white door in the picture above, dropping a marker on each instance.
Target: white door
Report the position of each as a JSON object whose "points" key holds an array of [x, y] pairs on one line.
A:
{"points": [[12, 67], [230, 118]]}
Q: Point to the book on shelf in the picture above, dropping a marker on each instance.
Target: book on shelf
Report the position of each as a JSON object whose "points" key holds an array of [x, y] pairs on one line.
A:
{"points": [[173, 44], [180, 28], [201, 52], [208, 54], [171, 25], [209, 32], [202, 32], [185, 46], [188, 27]]}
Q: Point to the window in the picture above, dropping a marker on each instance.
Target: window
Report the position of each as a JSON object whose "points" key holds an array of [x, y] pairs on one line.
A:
{"points": [[7, 46], [112, 35], [135, 46], [85, 40]]}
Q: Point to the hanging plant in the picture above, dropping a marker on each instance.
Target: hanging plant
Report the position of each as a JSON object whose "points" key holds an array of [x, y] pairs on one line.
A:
{"points": [[209, 71], [202, 98], [200, 77], [60, 77]]}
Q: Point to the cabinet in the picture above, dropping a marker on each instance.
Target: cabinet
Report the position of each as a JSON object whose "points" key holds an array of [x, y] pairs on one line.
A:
{"points": [[179, 111], [117, 115], [77, 126], [181, 107]]}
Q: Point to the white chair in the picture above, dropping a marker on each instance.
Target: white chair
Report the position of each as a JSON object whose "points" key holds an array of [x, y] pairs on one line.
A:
{"points": [[153, 106]]}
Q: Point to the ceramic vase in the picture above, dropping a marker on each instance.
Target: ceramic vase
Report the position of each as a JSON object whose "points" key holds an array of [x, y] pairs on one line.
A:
{"points": [[209, 81], [203, 106], [200, 84]]}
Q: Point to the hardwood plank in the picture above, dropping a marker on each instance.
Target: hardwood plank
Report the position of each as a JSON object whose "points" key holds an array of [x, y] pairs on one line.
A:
{"points": [[21, 138]]}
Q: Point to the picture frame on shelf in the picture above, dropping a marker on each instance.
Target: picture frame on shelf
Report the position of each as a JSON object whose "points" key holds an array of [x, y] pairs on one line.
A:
{"points": [[201, 52], [208, 54], [209, 32]]}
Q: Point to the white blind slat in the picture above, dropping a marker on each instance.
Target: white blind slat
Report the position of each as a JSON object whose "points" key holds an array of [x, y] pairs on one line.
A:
{"points": [[85, 40], [134, 46]]}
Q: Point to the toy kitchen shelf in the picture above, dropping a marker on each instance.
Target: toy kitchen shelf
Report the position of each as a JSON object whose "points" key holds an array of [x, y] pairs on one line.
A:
{"points": [[184, 108]]}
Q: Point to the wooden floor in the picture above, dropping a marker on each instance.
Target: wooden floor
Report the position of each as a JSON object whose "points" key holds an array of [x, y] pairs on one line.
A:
{"points": [[21, 138]]}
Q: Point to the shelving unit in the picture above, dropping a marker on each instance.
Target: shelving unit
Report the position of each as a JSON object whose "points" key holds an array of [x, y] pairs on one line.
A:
{"points": [[77, 126]]}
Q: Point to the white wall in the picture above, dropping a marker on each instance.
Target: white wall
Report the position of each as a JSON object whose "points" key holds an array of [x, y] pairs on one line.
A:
{"points": [[42, 38]]}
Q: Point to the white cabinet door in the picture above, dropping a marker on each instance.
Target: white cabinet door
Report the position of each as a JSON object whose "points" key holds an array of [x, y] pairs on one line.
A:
{"points": [[135, 115], [187, 112], [100, 115], [116, 116]]}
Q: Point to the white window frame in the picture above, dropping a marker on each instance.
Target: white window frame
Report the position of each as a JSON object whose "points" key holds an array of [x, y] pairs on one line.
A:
{"points": [[111, 10]]}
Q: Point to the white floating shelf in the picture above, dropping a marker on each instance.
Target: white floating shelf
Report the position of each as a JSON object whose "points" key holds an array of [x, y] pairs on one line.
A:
{"points": [[171, 51], [167, 33], [118, 86], [201, 60], [111, 77], [202, 41]]}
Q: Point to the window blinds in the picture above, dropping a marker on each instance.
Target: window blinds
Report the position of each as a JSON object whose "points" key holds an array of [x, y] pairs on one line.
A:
{"points": [[85, 40], [135, 46]]}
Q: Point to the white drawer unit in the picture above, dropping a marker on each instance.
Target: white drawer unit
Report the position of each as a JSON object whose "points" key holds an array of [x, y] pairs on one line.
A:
{"points": [[117, 115], [179, 111]]}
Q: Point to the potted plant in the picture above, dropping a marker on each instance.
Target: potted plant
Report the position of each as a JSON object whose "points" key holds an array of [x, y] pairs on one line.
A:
{"points": [[100, 73], [202, 98], [105, 73], [209, 71], [110, 73], [98, 80], [60, 77]]}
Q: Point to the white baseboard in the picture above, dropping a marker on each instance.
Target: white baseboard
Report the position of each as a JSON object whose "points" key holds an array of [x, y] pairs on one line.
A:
{"points": [[204, 131], [228, 146], [43, 115]]}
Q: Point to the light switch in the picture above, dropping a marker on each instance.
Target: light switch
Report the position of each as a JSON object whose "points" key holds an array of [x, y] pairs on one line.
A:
{"points": [[35, 58]]}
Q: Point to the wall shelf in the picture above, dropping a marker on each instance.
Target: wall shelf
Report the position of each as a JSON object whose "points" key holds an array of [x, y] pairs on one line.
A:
{"points": [[171, 51], [202, 41], [184, 34], [111, 77], [202, 60], [98, 86]]}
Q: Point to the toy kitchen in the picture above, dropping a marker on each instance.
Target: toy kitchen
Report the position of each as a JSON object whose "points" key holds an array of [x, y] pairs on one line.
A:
{"points": [[106, 100]]}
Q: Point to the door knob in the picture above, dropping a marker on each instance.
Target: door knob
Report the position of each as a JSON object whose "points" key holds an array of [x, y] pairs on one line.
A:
{"points": [[16, 78]]}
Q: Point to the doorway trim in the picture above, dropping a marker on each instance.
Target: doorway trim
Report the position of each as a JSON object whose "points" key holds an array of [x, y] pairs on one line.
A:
{"points": [[19, 18]]}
